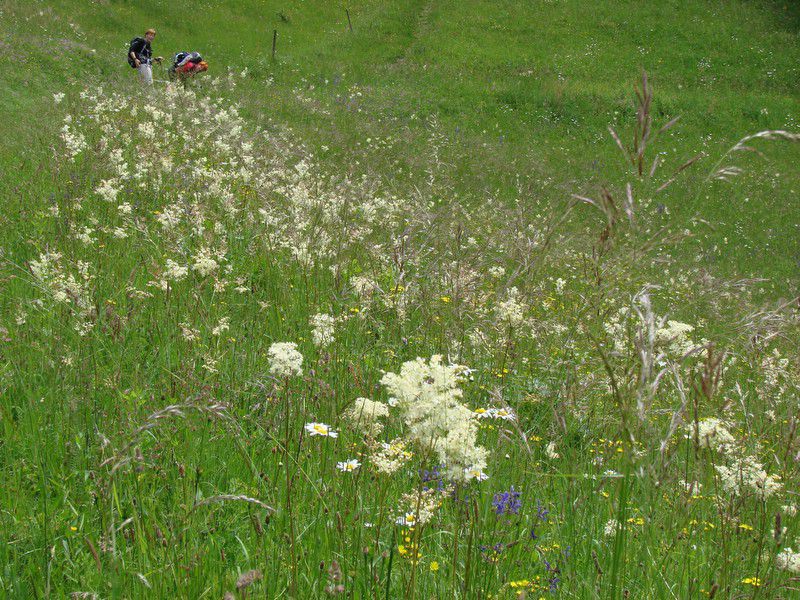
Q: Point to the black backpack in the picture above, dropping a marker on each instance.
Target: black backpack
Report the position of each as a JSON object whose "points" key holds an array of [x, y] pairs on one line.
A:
{"points": [[137, 41], [181, 56]]}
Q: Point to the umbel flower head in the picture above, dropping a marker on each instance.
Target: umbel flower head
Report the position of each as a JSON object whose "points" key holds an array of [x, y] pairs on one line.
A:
{"points": [[284, 359], [428, 395]]}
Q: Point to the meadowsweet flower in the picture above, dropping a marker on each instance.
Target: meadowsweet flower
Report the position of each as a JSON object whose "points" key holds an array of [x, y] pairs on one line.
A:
{"points": [[189, 333], [511, 311], [74, 141], [58, 97], [221, 327], [284, 359], [711, 433], [428, 394], [390, 457], [419, 508], [675, 337], [611, 527], [788, 561], [108, 190], [747, 474], [323, 328], [320, 429], [174, 271], [365, 415], [204, 264], [348, 466]]}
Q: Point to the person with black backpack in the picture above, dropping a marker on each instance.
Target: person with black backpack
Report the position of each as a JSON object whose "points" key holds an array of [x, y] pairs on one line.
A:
{"points": [[140, 56], [186, 65]]}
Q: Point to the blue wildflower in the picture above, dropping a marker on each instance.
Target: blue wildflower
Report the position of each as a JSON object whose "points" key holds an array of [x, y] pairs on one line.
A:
{"points": [[507, 503]]}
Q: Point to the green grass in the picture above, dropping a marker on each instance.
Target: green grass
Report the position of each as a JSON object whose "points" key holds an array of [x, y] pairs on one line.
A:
{"points": [[466, 127]]}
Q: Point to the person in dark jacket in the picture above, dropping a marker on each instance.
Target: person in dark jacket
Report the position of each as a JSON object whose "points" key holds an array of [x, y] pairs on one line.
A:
{"points": [[140, 56]]}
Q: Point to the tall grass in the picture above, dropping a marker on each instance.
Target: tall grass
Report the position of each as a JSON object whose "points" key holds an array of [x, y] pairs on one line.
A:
{"points": [[643, 411]]}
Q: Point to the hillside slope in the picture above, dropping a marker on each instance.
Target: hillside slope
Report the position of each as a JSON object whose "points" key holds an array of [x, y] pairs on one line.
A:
{"points": [[514, 89]]}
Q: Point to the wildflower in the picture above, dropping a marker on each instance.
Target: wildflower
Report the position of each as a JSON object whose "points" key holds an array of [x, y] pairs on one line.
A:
{"points": [[204, 263], [511, 311], [407, 520], [748, 473], [433, 475], [175, 271], [788, 561], [347, 466], [542, 512], [58, 97], [474, 473], [550, 450], [320, 429], [711, 433], [611, 528], [189, 333], [223, 325], [284, 359], [391, 457], [107, 190], [506, 414], [365, 413], [428, 393], [507, 502], [419, 508], [675, 337], [434, 566], [323, 327], [754, 581]]}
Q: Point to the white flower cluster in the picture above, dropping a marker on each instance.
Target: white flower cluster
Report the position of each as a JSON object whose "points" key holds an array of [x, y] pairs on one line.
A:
{"points": [[204, 263], [323, 328], [390, 457], [611, 527], [284, 359], [65, 287], [365, 414], [428, 394], [675, 337], [511, 311], [711, 433], [419, 509], [747, 474], [788, 561]]}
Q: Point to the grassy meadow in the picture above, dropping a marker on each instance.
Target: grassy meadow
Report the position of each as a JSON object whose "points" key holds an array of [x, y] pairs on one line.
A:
{"points": [[477, 300]]}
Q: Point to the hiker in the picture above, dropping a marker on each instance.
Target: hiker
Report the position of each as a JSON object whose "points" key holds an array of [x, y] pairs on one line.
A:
{"points": [[140, 56], [187, 64]]}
